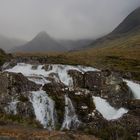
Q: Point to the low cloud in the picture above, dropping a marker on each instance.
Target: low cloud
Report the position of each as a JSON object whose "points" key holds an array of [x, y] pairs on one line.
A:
{"points": [[69, 19]]}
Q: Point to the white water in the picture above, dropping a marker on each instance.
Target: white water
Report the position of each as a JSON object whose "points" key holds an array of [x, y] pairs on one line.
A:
{"points": [[135, 88], [70, 117], [61, 70], [108, 112], [12, 108], [44, 109]]}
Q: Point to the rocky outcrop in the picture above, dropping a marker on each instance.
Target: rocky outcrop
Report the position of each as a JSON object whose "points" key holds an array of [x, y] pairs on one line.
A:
{"points": [[81, 106], [133, 104], [83, 103], [14, 92], [78, 78], [106, 84], [57, 91], [115, 90]]}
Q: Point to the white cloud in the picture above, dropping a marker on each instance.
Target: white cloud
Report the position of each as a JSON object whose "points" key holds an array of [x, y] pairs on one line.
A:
{"points": [[62, 18]]}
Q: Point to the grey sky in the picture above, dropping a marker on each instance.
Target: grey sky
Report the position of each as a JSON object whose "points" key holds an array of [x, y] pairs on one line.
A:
{"points": [[68, 19]]}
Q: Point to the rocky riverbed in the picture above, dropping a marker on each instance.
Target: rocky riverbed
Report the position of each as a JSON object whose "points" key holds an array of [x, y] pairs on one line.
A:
{"points": [[70, 98]]}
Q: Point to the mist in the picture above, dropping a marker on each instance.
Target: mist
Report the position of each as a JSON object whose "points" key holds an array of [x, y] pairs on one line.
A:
{"points": [[62, 19]]}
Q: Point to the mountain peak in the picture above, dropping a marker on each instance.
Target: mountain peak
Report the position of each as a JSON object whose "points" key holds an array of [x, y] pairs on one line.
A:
{"points": [[131, 22], [42, 35]]}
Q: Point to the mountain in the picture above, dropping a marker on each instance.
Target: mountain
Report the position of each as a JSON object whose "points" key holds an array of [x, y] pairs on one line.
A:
{"points": [[128, 26], [131, 22], [42, 42], [119, 50], [72, 45], [9, 43]]}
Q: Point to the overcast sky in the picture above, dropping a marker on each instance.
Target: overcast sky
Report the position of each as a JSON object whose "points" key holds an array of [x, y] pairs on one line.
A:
{"points": [[69, 19]]}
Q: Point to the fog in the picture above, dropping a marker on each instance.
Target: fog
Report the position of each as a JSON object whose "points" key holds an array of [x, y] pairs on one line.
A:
{"points": [[63, 19]]}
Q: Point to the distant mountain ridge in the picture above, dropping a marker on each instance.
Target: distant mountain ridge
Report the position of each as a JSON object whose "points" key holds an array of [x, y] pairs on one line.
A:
{"points": [[129, 25], [41, 42], [7, 43], [131, 22]]}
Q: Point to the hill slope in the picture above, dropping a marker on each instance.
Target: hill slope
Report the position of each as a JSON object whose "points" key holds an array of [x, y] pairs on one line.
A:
{"points": [[131, 22], [115, 51], [120, 52], [4, 57], [42, 42], [9, 43]]}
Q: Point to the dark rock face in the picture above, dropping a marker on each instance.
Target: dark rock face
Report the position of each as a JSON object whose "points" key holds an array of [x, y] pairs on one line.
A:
{"points": [[106, 84], [11, 82], [15, 92], [78, 78], [83, 103], [26, 109], [93, 81], [15, 88], [133, 104], [131, 123], [57, 91], [47, 67], [81, 99]]}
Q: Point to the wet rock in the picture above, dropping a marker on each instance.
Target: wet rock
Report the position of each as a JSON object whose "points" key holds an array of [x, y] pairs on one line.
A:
{"points": [[47, 67], [133, 104], [54, 77], [108, 85], [56, 91], [115, 91], [11, 82], [78, 78], [25, 109], [13, 87], [34, 67], [93, 81], [130, 122], [9, 65], [83, 103]]}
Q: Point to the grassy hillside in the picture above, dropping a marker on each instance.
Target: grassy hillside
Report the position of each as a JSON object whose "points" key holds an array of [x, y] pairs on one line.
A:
{"points": [[121, 53], [3, 57], [119, 50]]}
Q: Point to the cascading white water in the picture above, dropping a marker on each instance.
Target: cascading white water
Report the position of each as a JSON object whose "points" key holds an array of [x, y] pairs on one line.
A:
{"points": [[135, 88], [70, 117], [108, 112], [11, 108], [44, 109], [61, 70]]}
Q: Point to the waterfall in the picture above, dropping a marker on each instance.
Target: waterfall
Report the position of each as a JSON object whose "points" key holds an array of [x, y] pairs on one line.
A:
{"points": [[70, 117], [12, 108], [135, 88], [108, 112], [44, 109]]}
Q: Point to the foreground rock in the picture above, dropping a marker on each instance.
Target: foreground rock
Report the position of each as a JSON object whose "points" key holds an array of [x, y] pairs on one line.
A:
{"points": [[106, 84], [69, 98], [14, 93]]}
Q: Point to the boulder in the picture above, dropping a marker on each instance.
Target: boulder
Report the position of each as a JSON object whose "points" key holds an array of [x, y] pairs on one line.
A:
{"points": [[25, 109], [83, 103], [93, 81], [47, 67], [133, 104], [78, 78], [14, 90]]}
